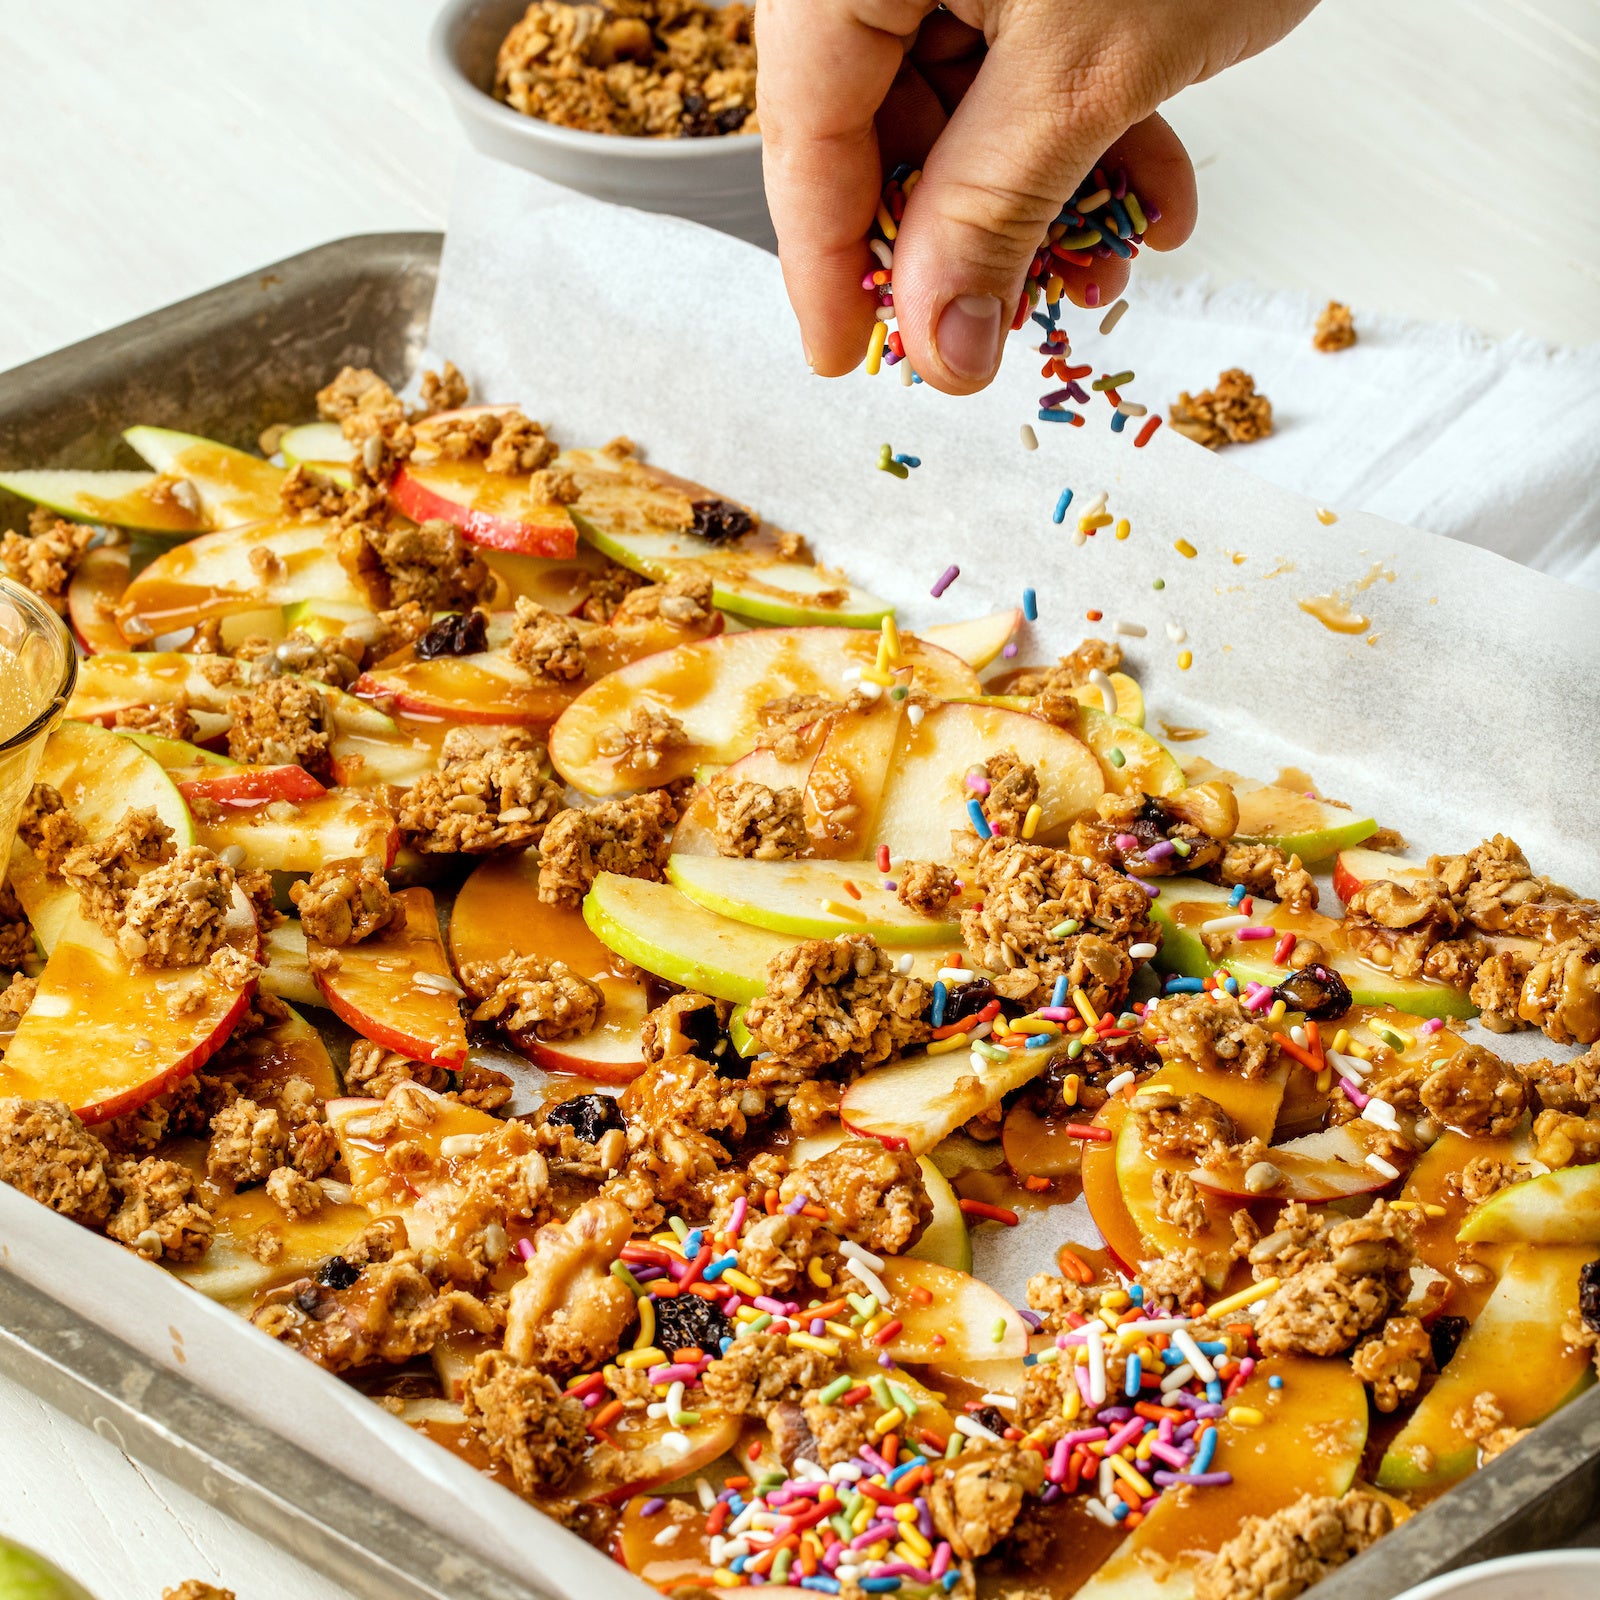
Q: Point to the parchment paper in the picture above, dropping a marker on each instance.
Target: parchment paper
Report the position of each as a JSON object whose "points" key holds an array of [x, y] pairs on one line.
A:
{"points": [[1474, 708]]}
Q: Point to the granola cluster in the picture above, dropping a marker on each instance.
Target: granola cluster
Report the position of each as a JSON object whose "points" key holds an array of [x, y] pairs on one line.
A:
{"points": [[482, 797], [1283, 1555], [347, 901], [758, 823], [45, 558], [627, 836], [1231, 413]]}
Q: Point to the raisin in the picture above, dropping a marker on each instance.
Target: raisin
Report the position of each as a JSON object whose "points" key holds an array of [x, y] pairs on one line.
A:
{"points": [[588, 1115], [688, 1322], [1445, 1335], [968, 998], [731, 118], [1316, 990], [992, 1418], [462, 633], [720, 521], [337, 1273], [1589, 1295]]}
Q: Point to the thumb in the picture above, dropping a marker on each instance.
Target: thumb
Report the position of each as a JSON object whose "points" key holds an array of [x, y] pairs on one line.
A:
{"points": [[1022, 138]]}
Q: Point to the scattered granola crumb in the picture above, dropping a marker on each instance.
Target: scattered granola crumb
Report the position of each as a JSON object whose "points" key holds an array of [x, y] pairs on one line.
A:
{"points": [[173, 720], [347, 901], [644, 739], [444, 391], [1013, 787], [429, 564], [1215, 1032], [545, 644], [1483, 1423], [683, 601], [526, 994], [196, 1589], [296, 1195], [248, 1143], [627, 836], [1335, 329], [759, 823], [1281, 1556], [1393, 1363], [48, 828], [1231, 413], [47, 1153], [925, 886], [16, 933], [175, 915], [44, 561]]}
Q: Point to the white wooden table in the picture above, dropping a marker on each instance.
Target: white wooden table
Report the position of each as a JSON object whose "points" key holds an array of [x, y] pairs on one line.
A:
{"points": [[1435, 159]]}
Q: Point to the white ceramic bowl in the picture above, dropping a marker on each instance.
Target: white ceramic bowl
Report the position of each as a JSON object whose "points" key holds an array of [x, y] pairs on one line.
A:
{"points": [[716, 181], [1539, 1575]]}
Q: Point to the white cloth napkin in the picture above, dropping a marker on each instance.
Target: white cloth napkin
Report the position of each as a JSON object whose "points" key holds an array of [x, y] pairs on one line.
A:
{"points": [[1404, 423]]}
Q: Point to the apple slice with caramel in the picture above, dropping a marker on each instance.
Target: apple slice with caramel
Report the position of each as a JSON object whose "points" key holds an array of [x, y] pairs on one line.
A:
{"points": [[714, 691], [1330, 1165], [95, 592], [284, 835], [238, 784], [498, 912], [696, 832], [488, 686], [232, 486], [142, 500], [105, 1038], [396, 989], [955, 1321]]}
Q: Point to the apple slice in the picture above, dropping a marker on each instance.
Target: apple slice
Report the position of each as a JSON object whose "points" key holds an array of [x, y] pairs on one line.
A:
{"points": [[651, 1460], [1352, 868], [1130, 759], [322, 448], [234, 487], [141, 500], [101, 775], [716, 689], [1515, 1351], [1330, 1165], [925, 797], [1296, 823], [93, 595], [288, 974], [1253, 1105], [396, 989], [844, 790], [489, 687], [1561, 1207], [111, 682], [300, 836], [1126, 691], [213, 575], [174, 754], [641, 516], [238, 785], [660, 929], [382, 1184], [945, 1241], [557, 583], [498, 913], [914, 1103], [1310, 1443], [963, 1311], [489, 508], [1103, 1194], [696, 832], [809, 899], [106, 1039], [1185, 904], [977, 642]]}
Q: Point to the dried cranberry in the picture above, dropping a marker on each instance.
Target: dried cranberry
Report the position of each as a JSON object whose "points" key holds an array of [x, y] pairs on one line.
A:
{"points": [[968, 998], [337, 1273], [588, 1115], [1445, 1334], [721, 521], [690, 1323], [1589, 1295], [462, 633], [1316, 990]]}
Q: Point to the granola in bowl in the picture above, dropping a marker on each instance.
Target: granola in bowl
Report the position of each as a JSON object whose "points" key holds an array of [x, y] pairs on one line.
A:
{"points": [[614, 1039]]}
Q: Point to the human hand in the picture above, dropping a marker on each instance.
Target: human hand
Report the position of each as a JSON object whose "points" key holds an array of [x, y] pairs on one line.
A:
{"points": [[1006, 105]]}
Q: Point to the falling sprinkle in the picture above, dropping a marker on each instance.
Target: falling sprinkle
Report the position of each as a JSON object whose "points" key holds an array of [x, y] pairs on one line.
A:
{"points": [[1158, 583], [1131, 630], [1062, 502], [1123, 529], [1185, 549], [1185, 660], [1113, 317], [944, 580], [1030, 440], [1176, 633]]}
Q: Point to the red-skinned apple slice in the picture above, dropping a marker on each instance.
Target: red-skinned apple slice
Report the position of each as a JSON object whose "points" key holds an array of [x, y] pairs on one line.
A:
{"points": [[1103, 1195], [916, 1102], [925, 794], [716, 689], [489, 687], [241, 785], [955, 1326], [652, 1460], [95, 592], [1310, 1443], [104, 1038], [1356, 866], [498, 913], [1130, 759], [302, 835], [489, 508], [396, 989]]}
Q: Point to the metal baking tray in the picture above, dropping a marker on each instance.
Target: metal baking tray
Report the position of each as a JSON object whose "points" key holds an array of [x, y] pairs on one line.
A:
{"points": [[227, 363]]}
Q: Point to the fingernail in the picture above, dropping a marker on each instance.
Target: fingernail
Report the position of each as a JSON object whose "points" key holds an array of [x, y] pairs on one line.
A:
{"points": [[811, 360], [968, 335]]}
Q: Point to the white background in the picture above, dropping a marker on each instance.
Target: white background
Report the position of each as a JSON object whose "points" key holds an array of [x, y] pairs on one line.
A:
{"points": [[1436, 159]]}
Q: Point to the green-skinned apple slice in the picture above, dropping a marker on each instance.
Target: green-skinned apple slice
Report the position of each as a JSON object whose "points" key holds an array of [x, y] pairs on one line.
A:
{"points": [[105, 1038], [808, 899], [945, 1241], [234, 487], [1296, 823], [1186, 904], [925, 796], [978, 641], [641, 517], [1514, 1350], [1130, 759], [498, 912], [1126, 692], [288, 974], [322, 448], [657, 928], [488, 686], [971, 1322], [696, 832], [302, 835], [174, 754], [716, 690], [142, 500], [1310, 1443], [396, 989], [914, 1103], [93, 595], [1561, 1207], [214, 575], [101, 775]]}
